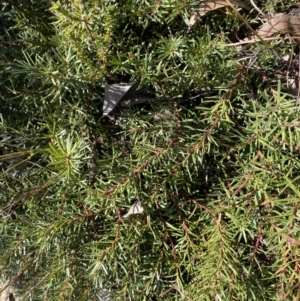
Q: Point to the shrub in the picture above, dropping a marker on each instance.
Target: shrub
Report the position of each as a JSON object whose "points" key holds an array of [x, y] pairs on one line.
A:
{"points": [[192, 195]]}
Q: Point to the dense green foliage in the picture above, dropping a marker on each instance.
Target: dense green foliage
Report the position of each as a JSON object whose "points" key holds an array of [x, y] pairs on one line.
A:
{"points": [[218, 176]]}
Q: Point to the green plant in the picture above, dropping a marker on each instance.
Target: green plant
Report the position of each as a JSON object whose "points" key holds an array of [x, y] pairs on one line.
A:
{"points": [[216, 170]]}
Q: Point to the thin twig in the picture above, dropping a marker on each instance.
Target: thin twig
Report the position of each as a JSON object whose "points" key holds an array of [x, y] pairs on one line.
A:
{"points": [[298, 88], [258, 9], [256, 40]]}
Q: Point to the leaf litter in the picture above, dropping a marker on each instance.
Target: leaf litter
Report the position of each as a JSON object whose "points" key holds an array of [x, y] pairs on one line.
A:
{"points": [[207, 6], [126, 94]]}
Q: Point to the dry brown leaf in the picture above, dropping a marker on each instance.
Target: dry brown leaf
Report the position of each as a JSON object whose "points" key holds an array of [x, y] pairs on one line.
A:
{"points": [[280, 23], [165, 114], [207, 6]]}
